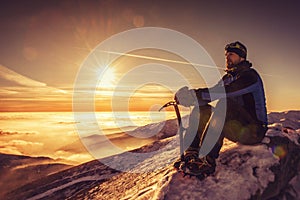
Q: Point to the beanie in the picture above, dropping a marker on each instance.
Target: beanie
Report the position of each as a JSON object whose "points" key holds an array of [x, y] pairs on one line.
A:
{"points": [[238, 48]]}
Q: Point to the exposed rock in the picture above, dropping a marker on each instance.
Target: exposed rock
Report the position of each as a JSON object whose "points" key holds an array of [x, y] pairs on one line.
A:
{"points": [[287, 148]]}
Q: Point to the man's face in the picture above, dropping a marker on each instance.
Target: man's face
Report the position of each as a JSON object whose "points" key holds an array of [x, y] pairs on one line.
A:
{"points": [[232, 59]]}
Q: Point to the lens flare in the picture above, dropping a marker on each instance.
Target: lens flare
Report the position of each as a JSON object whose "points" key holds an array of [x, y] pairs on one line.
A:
{"points": [[279, 151]]}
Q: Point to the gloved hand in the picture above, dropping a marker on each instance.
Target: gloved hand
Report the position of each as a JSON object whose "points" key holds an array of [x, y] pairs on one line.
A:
{"points": [[186, 97]]}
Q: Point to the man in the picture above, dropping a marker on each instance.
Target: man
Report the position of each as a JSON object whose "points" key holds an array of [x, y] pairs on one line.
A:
{"points": [[241, 91]]}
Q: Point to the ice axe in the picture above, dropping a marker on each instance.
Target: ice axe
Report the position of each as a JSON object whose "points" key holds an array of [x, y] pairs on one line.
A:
{"points": [[181, 129]]}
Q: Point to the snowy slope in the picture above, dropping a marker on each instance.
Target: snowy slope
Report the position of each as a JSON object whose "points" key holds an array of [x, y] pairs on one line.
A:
{"points": [[16, 170], [243, 172]]}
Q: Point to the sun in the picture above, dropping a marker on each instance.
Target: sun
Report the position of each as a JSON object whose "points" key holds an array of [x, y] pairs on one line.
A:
{"points": [[108, 78]]}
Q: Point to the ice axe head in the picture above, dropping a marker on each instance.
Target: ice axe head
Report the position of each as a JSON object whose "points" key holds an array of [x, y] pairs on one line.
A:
{"points": [[170, 103]]}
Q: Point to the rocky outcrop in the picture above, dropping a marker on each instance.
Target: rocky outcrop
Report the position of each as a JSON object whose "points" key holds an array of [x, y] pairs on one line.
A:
{"points": [[287, 172]]}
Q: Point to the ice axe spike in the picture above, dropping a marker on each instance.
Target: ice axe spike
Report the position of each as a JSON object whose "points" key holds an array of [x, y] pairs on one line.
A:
{"points": [[181, 128]]}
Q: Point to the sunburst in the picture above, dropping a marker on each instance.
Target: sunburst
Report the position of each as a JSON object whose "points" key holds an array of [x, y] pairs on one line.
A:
{"points": [[108, 78]]}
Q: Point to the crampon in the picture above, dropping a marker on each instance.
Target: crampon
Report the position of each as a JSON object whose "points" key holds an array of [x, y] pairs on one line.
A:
{"points": [[199, 168]]}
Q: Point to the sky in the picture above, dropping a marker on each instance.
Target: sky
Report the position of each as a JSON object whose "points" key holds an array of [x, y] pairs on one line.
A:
{"points": [[44, 43]]}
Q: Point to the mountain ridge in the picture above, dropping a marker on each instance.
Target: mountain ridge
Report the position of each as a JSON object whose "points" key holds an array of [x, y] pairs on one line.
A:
{"points": [[18, 170]]}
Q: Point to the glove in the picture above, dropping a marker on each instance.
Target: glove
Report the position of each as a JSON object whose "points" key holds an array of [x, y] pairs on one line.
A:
{"points": [[186, 97]]}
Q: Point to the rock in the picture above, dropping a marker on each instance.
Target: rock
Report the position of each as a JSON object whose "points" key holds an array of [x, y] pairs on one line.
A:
{"points": [[288, 152], [266, 171]]}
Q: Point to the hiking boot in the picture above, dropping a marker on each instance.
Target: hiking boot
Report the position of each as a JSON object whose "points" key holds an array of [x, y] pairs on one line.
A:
{"points": [[211, 161], [177, 163], [189, 154], [200, 167]]}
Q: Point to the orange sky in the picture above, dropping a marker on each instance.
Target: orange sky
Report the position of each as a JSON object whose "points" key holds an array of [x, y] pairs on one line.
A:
{"points": [[44, 43]]}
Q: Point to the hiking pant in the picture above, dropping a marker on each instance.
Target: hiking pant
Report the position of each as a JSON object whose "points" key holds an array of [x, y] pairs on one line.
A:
{"points": [[239, 126]]}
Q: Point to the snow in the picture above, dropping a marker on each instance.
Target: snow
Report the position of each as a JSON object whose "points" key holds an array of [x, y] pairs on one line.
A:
{"points": [[173, 185], [73, 182], [242, 171]]}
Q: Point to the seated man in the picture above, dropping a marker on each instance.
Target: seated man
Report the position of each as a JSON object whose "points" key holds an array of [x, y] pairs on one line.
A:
{"points": [[245, 118]]}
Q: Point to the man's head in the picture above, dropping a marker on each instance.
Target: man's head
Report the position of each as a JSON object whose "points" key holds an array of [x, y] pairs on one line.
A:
{"points": [[235, 53]]}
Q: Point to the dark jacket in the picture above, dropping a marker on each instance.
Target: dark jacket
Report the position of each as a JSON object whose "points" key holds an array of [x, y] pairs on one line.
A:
{"points": [[243, 85]]}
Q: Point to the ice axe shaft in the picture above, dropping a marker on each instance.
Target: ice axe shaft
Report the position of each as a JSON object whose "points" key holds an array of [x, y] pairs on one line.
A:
{"points": [[180, 127]]}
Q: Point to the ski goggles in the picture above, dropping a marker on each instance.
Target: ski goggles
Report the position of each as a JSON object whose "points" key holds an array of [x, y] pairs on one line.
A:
{"points": [[235, 45]]}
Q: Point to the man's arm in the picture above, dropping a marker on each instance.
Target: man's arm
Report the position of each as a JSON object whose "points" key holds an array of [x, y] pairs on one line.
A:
{"points": [[245, 83]]}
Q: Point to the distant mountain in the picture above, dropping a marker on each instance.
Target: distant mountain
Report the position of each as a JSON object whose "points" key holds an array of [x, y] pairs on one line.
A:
{"points": [[16, 170], [65, 184], [100, 144], [266, 171]]}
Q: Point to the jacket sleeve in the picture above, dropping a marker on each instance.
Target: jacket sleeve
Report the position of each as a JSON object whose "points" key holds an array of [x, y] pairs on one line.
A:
{"points": [[230, 86]]}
